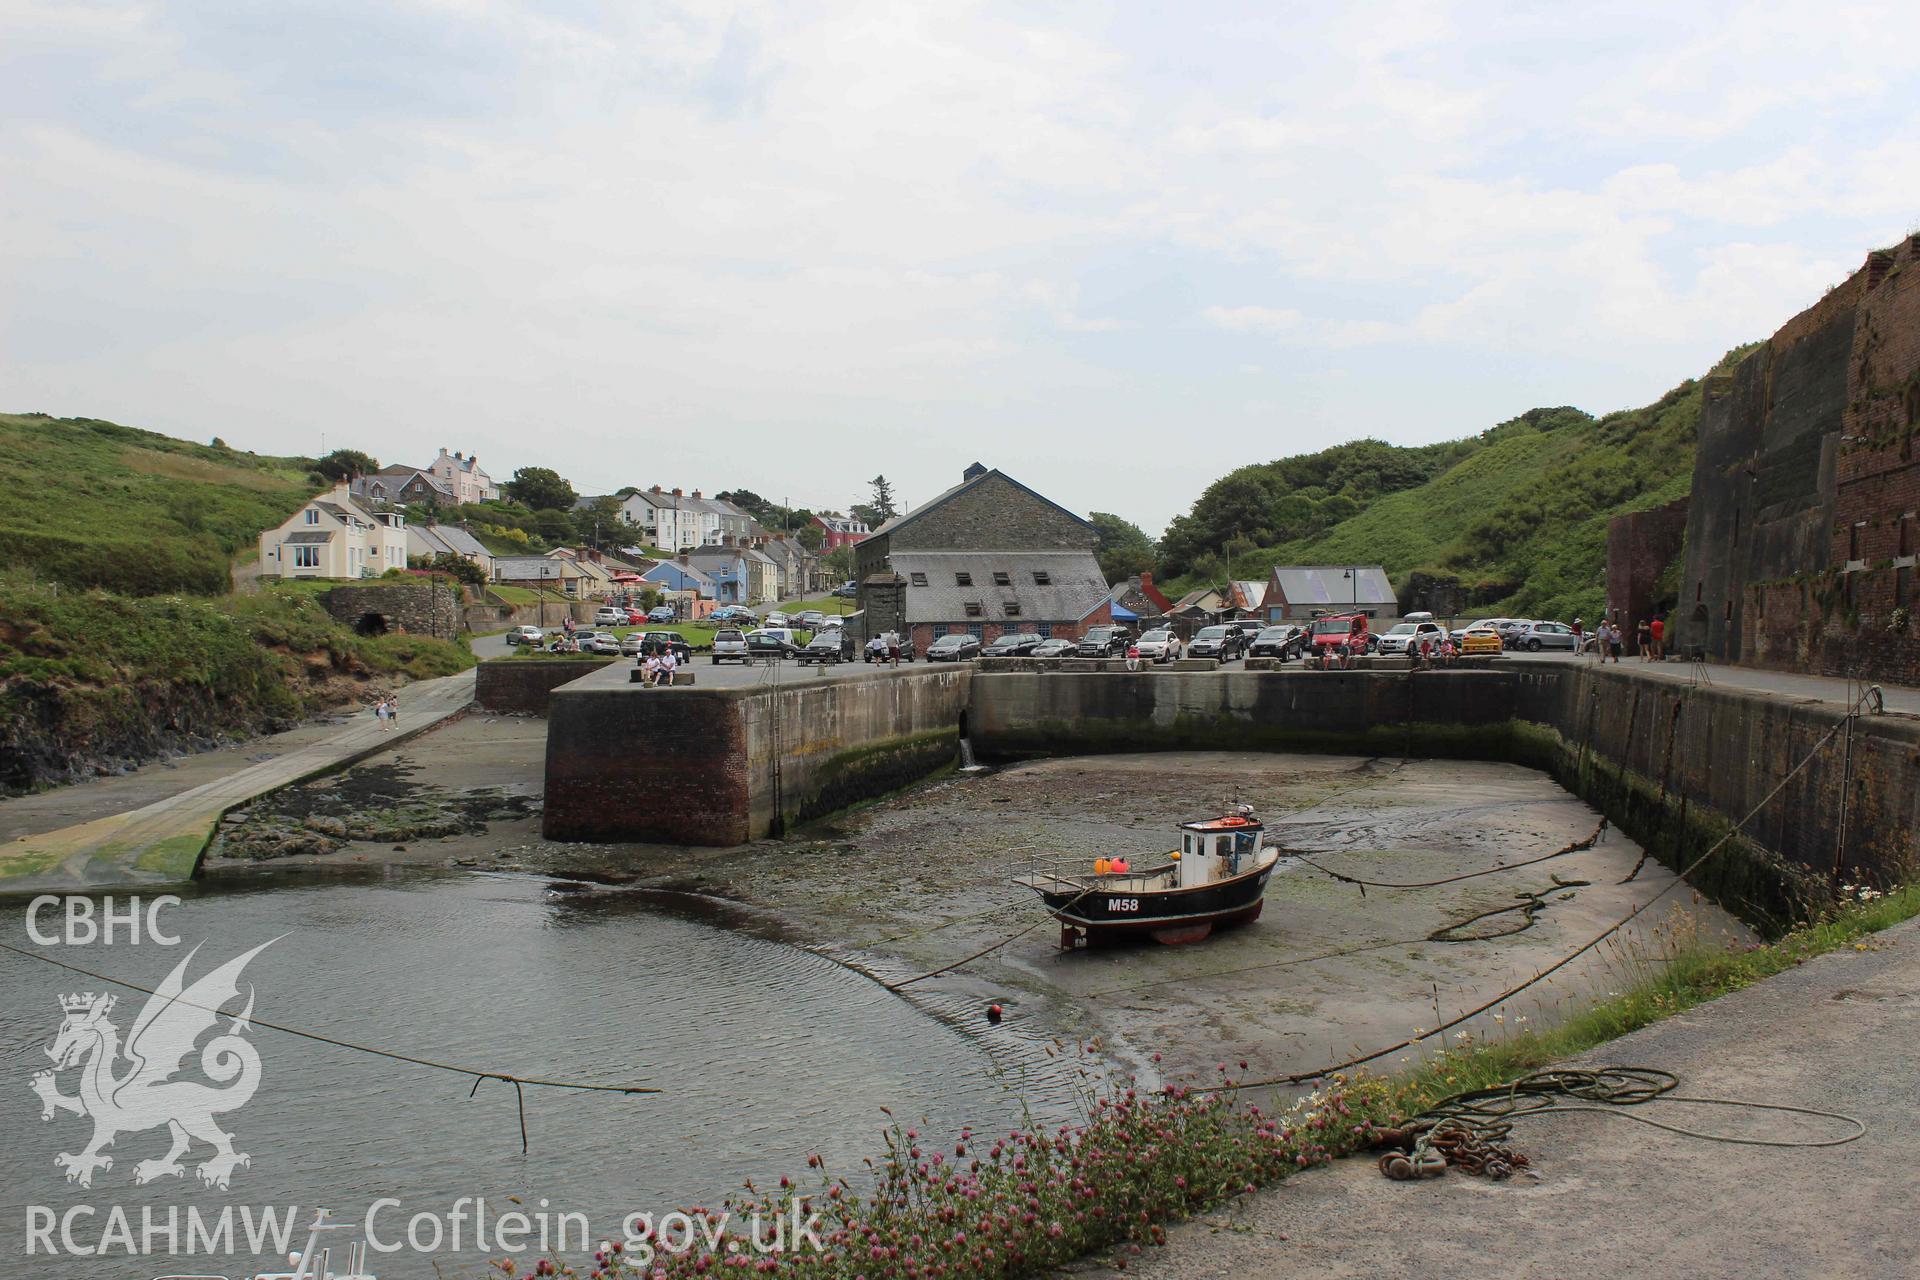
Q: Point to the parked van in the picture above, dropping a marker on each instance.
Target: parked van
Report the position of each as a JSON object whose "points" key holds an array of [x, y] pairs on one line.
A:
{"points": [[1337, 629]]}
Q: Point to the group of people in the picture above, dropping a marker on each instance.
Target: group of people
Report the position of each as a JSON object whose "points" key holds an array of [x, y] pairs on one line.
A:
{"points": [[1609, 639], [658, 668], [386, 712]]}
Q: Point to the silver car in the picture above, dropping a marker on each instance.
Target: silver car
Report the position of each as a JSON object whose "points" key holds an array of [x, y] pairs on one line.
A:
{"points": [[1156, 645], [1535, 636], [729, 645]]}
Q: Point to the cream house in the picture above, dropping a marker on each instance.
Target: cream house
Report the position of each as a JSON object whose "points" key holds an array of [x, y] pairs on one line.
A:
{"points": [[334, 536]]}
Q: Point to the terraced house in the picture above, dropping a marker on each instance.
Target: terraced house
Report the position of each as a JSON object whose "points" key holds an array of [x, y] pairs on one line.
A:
{"points": [[334, 536], [989, 556]]}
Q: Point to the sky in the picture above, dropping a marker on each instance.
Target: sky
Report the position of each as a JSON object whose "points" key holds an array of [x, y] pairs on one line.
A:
{"points": [[1113, 250]]}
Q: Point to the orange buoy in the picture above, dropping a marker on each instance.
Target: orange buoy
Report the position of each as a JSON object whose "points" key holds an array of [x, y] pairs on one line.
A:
{"points": [[1101, 866], [1119, 865]]}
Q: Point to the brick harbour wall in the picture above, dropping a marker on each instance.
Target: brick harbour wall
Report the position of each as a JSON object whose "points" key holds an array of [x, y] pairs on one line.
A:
{"points": [[522, 684]]}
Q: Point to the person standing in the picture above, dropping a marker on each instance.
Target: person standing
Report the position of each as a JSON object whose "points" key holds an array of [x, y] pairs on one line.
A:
{"points": [[1643, 638], [1657, 633], [893, 648], [1579, 636], [1616, 641], [380, 714]]}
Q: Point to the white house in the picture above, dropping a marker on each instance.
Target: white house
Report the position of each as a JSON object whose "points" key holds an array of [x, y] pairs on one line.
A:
{"points": [[333, 536], [463, 478]]}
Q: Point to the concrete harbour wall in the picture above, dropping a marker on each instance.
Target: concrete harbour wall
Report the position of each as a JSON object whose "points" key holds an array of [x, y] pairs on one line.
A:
{"points": [[522, 684]]}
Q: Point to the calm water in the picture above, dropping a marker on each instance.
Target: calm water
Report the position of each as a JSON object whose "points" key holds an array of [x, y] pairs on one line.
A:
{"points": [[766, 1053]]}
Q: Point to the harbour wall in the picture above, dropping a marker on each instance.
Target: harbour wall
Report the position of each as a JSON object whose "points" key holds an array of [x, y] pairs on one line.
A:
{"points": [[703, 766], [522, 684]]}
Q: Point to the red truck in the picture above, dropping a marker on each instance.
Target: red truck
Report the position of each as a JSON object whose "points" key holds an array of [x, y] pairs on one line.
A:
{"points": [[1337, 629]]}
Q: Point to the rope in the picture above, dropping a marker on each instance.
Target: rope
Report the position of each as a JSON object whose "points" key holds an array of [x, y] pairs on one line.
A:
{"points": [[479, 1076], [1577, 846], [1468, 1130], [1302, 1077]]}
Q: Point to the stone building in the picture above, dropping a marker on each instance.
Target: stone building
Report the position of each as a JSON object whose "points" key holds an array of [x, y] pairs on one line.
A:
{"points": [[989, 556], [463, 478], [1801, 524]]}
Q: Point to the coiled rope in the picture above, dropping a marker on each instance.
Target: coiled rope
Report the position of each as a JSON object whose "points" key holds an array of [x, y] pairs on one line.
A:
{"points": [[1469, 1130], [479, 1076]]}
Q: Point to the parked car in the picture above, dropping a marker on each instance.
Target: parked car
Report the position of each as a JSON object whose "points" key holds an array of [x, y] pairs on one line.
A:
{"points": [[733, 613], [810, 620], [1014, 645], [729, 645], [1510, 629], [646, 643], [603, 642], [1053, 649], [659, 613], [1405, 637], [1546, 635], [829, 646], [1222, 642], [771, 643], [954, 648], [877, 648], [1156, 645], [1337, 629], [847, 590], [1103, 641], [524, 635], [776, 619], [608, 615], [1481, 640], [1460, 633], [1287, 640]]}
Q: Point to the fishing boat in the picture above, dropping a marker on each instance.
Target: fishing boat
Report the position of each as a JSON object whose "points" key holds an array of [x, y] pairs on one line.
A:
{"points": [[1216, 877], [315, 1262]]}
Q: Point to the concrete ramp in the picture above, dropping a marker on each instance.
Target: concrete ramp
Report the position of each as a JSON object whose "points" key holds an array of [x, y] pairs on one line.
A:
{"points": [[162, 843]]}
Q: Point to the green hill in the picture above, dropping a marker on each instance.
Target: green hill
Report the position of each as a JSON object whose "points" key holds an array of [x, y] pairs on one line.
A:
{"points": [[96, 504], [1516, 515]]}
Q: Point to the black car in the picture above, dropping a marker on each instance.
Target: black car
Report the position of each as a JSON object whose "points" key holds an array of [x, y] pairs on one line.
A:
{"points": [[1282, 642], [1103, 641], [652, 643], [769, 644], [954, 648], [1223, 642], [829, 646], [1012, 646]]}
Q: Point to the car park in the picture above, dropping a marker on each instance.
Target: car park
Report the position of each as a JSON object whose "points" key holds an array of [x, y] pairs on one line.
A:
{"points": [[1283, 641], [1156, 645], [1223, 642], [729, 645], [1103, 641], [1053, 649], [1406, 637], [1012, 645], [954, 648], [1546, 635], [1460, 633], [524, 635], [829, 646], [1481, 640]]}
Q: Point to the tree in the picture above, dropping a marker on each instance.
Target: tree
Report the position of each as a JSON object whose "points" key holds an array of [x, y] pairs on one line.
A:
{"points": [[838, 563], [598, 519], [810, 536], [540, 489], [346, 464], [751, 503], [882, 504], [1124, 548], [554, 525]]}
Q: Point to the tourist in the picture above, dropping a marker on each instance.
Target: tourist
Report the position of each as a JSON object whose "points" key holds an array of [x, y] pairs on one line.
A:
{"points": [[1643, 638], [649, 670], [393, 710], [380, 714], [1426, 651], [1447, 651], [1657, 635], [667, 665], [893, 648], [1616, 641], [1579, 636], [1133, 656]]}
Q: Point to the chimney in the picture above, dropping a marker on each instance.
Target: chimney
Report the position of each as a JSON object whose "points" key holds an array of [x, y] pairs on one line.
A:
{"points": [[696, 492], [676, 493], [683, 557], [972, 472], [655, 489]]}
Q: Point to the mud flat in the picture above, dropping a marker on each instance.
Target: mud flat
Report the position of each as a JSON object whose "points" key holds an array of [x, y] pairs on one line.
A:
{"points": [[919, 881]]}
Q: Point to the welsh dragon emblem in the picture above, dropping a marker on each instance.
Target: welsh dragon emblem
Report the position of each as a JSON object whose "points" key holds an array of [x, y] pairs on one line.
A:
{"points": [[130, 1089]]}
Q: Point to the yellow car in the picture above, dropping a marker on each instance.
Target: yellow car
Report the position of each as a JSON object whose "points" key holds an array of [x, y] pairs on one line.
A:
{"points": [[1480, 640]]}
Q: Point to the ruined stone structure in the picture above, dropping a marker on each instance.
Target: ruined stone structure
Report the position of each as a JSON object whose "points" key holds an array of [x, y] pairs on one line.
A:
{"points": [[1801, 527], [1640, 546]]}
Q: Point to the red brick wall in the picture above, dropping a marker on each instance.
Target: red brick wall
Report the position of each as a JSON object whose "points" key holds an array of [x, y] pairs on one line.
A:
{"points": [[1639, 547], [925, 633], [522, 684]]}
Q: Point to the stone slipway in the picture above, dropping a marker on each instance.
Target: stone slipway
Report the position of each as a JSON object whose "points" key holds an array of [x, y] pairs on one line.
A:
{"points": [[1614, 1198], [161, 843]]}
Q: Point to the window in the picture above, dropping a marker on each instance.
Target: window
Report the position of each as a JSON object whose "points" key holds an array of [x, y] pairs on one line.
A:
{"points": [[1044, 630], [973, 609], [1001, 578], [306, 557], [1012, 608], [977, 631], [918, 579], [962, 579], [1041, 578], [313, 516]]}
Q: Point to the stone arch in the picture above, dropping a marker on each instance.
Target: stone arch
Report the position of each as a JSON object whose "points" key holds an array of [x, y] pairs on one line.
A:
{"points": [[373, 624]]}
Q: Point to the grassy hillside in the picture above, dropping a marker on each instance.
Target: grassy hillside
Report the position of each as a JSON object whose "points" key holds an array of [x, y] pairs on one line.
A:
{"points": [[1517, 515], [96, 504], [88, 678]]}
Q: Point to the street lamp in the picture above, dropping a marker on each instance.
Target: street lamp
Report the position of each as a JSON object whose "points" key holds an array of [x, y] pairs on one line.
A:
{"points": [[1354, 578]]}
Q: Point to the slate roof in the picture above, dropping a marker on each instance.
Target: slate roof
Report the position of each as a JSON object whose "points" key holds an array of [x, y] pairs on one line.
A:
{"points": [[1075, 586], [529, 568], [309, 535], [459, 539], [968, 483], [1327, 586]]}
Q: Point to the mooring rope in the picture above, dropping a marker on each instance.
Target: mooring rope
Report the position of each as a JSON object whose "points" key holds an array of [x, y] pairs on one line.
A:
{"points": [[478, 1075], [1577, 846], [1301, 1077]]}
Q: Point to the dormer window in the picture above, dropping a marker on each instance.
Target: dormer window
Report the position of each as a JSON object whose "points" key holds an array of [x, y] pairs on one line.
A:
{"points": [[313, 515], [1001, 578], [974, 610], [1041, 578], [918, 579], [962, 579]]}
